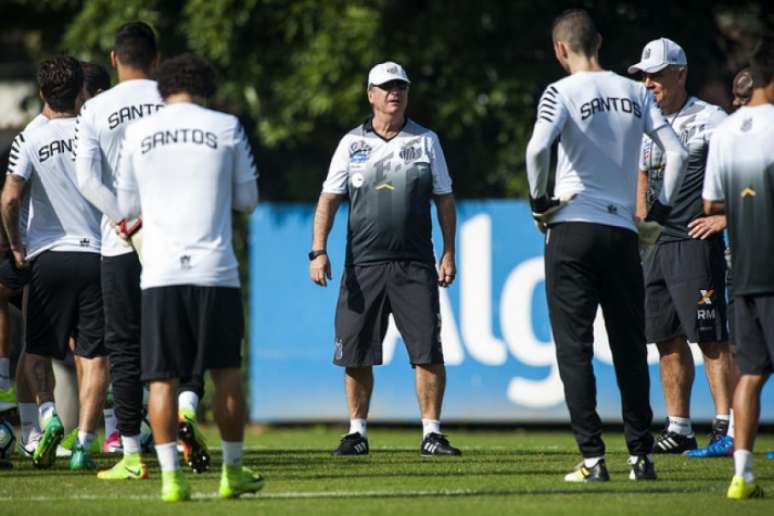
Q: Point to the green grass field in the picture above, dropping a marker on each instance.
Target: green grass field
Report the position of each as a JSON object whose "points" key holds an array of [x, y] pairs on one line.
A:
{"points": [[500, 472]]}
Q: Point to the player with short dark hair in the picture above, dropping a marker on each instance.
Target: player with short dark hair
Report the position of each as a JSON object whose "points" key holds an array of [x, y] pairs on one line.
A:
{"points": [[95, 79], [685, 272], [61, 249], [591, 253], [739, 183], [188, 167]]}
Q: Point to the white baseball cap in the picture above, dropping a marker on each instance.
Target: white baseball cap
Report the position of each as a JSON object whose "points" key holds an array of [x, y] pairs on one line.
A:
{"points": [[658, 54], [386, 72]]}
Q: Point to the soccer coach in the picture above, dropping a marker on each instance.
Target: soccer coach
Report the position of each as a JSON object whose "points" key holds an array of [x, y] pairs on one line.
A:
{"points": [[389, 168], [591, 253]]}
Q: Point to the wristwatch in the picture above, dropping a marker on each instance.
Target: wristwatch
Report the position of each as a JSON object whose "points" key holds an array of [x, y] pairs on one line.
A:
{"points": [[314, 254]]}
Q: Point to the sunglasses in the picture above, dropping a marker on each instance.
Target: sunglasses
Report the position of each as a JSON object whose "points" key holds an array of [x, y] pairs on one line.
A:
{"points": [[387, 86]]}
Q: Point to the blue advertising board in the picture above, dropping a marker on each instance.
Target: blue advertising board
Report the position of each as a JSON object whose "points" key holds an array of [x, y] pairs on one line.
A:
{"points": [[499, 352]]}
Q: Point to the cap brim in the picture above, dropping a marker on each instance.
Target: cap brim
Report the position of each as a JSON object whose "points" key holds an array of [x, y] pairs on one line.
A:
{"points": [[390, 79], [646, 68]]}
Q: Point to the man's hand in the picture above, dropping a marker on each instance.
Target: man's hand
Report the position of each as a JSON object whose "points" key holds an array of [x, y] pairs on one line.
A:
{"points": [[543, 208], [320, 270], [705, 227], [20, 256], [446, 270], [128, 227]]}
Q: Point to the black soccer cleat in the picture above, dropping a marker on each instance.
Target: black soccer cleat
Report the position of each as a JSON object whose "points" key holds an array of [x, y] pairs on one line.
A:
{"points": [[437, 444], [642, 468], [596, 473], [352, 444], [672, 442]]}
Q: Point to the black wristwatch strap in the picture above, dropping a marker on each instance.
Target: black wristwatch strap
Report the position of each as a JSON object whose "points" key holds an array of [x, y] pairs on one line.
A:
{"points": [[314, 254]]}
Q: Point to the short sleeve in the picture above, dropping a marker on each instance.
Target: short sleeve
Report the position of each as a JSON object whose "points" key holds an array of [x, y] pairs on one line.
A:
{"points": [[19, 162], [715, 119], [551, 111], [245, 161], [442, 183], [86, 139], [651, 111], [713, 183], [338, 171]]}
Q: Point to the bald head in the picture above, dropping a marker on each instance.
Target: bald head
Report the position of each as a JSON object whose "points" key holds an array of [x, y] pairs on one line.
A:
{"points": [[576, 29]]}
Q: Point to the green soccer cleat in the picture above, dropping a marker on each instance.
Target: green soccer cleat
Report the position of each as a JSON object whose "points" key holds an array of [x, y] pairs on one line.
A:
{"points": [[174, 487], [741, 490], [80, 460], [7, 399], [131, 467], [238, 480], [194, 446], [45, 453]]}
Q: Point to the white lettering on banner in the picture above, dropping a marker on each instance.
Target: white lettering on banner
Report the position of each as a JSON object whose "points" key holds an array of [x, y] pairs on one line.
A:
{"points": [[475, 291]]}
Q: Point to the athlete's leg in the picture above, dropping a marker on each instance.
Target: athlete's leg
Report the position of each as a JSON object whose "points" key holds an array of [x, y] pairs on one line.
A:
{"points": [[718, 366], [359, 384], [677, 374]]}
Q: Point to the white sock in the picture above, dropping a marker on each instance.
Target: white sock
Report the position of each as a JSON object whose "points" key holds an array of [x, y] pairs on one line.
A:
{"points": [[680, 425], [590, 462], [167, 454], [430, 426], [110, 421], [743, 465], [131, 444], [5, 375], [30, 422], [358, 426], [730, 432], [46, 410], [188, 400], [85, 439], [232, 452]]}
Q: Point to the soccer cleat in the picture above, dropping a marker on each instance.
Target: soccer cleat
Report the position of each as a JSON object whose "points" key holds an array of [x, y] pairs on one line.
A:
{"points": [[45, 452], [80, 459], [723, 447], [352, 444], [238, 480], [28, 449], [7, 399], [642, 468], [112, 444], [437, 444], [672, 442], [194, 446], [740, 490], [130, 467], [174, 487], [596, 473]]}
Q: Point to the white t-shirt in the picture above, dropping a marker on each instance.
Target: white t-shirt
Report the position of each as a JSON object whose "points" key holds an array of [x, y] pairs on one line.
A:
{"points": [[101, 125], [185, 162], [60, 218], [600, 118]]}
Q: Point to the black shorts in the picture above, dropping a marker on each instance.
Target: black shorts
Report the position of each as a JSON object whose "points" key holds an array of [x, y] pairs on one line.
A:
{"points": [[755, 334], [685, 291], [12, 277], [188, 329], [369, 294], [65, 299]]}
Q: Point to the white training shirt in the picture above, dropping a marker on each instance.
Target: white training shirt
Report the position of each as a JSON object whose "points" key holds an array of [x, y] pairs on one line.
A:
{"points": [[101, 125], [600, 118], [60, 218], [186, 162], [24, 208]]}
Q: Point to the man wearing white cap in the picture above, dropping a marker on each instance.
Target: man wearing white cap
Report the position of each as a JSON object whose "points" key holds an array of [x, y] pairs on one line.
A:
{"points": [[389, 168], [685, 274]]}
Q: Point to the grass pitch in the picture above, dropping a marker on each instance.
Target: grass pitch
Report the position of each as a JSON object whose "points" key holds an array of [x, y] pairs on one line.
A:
{"points": [[499, 473]]}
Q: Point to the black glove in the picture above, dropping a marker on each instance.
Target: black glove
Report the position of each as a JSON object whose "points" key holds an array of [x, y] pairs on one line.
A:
{"points": [[658, 213]]}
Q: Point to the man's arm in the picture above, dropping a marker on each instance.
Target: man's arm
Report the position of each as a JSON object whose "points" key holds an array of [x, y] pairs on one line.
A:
{"points": [[714, 207], [642, 191], [320, 267], [13, 191], [674, 172], [447, 218], [245, 184]]}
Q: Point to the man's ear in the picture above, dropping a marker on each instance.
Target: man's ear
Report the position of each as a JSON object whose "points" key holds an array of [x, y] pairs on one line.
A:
{"points": [[114, 59], [561, 50]]}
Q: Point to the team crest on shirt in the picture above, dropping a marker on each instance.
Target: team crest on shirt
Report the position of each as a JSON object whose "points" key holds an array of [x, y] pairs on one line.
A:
{"points": [[357, 180], [746, 125], [185, 262], [359, 151]]}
